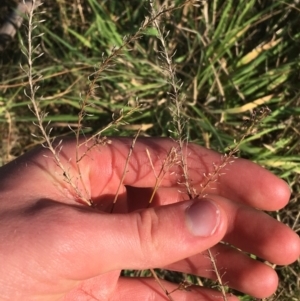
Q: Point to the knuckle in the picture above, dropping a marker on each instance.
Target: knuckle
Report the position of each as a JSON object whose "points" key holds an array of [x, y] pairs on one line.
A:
{"points": [[148, 228]]}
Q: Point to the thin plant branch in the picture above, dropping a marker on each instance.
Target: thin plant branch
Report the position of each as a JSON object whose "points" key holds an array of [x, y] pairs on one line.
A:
{"points": [[179, 123], [170, 160], [216, 270], [229, 157], [35, 107], [125, 170], [161, 285]]}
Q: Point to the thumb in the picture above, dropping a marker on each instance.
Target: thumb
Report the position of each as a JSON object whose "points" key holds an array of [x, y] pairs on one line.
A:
{"points": [[144, 239]]}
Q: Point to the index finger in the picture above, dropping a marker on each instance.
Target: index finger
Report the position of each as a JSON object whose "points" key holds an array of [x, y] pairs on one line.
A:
{"points": [[242, 181], [102, 168]]}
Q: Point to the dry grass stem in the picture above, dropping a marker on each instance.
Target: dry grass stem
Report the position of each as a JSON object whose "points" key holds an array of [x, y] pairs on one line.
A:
{"points": [[184, 285], [29, 52], [161, 285], [179, 123], [125, 169], [176, 98], [115, 122], [81, 196], [170, 160], [219, 278], [229, 157]]}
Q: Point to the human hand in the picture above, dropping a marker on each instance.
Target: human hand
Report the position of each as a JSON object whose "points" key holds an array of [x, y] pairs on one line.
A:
{"points": [[53, 248]]}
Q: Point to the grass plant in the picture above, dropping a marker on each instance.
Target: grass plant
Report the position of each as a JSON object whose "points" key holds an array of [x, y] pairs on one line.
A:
{"points": [[215, 63]]}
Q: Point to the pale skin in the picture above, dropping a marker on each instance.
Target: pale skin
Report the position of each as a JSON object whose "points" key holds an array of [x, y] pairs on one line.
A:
{"points": [[53, 248]]}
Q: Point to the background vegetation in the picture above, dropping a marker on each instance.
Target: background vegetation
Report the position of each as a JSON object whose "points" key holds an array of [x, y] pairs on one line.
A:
{"points": [[232, 57]]}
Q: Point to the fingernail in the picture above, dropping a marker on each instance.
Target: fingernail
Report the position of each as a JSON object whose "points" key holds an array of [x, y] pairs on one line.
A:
{"points": [[203, 217]]}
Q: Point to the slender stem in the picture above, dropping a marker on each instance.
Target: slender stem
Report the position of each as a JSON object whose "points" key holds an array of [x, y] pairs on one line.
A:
{"points": [[161, 285], [125, 170]]}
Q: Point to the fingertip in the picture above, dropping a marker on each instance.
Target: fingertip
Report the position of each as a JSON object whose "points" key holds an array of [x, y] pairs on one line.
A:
{"points": [[292, 250], [264, 286], [274, 191], [251, 184], [278, 192]]}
